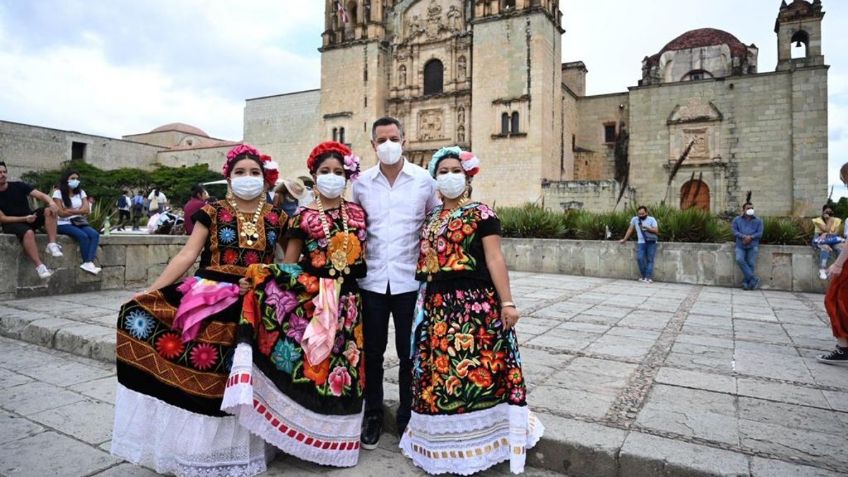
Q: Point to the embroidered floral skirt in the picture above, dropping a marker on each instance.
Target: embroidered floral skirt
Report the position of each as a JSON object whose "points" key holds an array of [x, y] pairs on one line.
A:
{"points": [[469, 408], [310, 410], [167, 407]]}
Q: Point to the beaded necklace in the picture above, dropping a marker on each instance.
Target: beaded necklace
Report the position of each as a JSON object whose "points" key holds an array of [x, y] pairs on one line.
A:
{"points": [[249, 228], [433, 232], [338, 258]]}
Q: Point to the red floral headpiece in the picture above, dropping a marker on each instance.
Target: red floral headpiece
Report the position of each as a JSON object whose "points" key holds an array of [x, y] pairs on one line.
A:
{"points": [[270, 169], [323, 148]]}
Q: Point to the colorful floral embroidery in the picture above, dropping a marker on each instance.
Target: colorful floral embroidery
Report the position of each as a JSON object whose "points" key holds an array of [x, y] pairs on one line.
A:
{"points": [[456, 246], [170, 346], [285, 356], [225, 216], [227, 235], [271, 237], [251, 257], [203, 356], [339, 381], [230, 256], [139, 324]]}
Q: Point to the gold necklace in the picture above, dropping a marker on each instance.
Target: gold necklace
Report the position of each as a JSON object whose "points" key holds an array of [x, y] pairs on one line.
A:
{"points": [[249, 228], [338, 258]]}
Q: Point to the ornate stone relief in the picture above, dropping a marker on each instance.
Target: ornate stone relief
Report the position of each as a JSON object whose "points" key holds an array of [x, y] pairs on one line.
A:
{"points": [[695, 110], [700, 143], [430, 124]]}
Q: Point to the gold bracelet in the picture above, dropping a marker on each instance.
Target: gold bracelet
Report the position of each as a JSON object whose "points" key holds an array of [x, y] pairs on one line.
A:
{"points": [[507, 304]]}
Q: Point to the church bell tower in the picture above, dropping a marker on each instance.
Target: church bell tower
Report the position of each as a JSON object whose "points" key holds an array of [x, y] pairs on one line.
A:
{"points": [[799, 23]]}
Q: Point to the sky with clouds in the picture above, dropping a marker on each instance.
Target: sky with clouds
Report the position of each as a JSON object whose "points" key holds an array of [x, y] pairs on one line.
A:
{"points": [[121, 67]]}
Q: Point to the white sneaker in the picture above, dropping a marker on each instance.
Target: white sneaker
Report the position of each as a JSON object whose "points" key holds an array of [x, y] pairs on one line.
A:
{"points": [[823, 274], [648, 280], [43, 272], [54, 249], [90, 268]]}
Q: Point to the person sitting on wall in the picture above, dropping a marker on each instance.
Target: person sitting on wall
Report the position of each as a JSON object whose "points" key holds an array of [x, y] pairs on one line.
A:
{"points": [[826, 237], [17, 218], [647, 233], [748, 230]]}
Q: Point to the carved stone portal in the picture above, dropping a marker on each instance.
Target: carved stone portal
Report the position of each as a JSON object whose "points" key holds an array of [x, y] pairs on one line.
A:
{"points": [[700, 147], [430, 125]]}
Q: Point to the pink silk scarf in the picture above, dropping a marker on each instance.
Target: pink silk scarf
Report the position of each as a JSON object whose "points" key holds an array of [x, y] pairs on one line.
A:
{"points": [[202, 298], [320, 334]]}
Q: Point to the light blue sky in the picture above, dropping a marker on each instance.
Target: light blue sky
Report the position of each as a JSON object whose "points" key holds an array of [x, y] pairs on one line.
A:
{"points": [[123, 66]]}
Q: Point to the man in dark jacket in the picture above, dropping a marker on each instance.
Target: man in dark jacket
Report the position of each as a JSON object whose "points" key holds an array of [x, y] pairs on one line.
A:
{"points": [[748, 230]]}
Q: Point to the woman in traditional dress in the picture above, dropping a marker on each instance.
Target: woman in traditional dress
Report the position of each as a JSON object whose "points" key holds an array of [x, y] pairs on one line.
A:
{"points": [[176, 341], [469, 408], [836, 300], [298, 376]]}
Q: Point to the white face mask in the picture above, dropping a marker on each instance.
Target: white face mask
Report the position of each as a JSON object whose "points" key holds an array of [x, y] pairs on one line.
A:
{"points": [[451, 185], [389, 152], [73, 183], [749, 212], [247, 187], [331, 185]]}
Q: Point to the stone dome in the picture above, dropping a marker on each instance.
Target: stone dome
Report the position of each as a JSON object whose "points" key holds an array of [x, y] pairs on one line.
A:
{"points": [[703, 37], [181, 127]]}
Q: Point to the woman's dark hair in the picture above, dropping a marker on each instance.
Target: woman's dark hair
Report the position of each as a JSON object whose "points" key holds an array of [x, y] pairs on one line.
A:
{"points": [[156, 192], [642, 207], [197, 191], [3, 164], [328, 155], [232, 163], [65, 189]]}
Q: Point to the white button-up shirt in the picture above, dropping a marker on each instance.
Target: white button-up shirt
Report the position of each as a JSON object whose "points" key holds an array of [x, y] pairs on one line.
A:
{"points": [[396, 214]]}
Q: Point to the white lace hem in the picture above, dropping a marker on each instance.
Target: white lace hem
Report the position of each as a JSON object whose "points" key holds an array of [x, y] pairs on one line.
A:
{"points": [[169, 439], [468, 443], [279, 420]]}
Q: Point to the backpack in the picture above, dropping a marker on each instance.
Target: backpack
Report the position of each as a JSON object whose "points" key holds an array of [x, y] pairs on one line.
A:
{"points": [[122, 202], [138, 201]]}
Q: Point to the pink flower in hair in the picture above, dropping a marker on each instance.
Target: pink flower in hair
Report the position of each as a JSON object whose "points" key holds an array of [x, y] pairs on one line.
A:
{"points": [[351, 165]]}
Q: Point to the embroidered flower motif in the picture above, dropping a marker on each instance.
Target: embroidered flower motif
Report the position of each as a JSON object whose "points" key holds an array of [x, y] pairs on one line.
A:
{"points": [[139, 324], [272, 218], [454, 224], [452, 385], [463, 367], [227, 235], [493, 360], [485, 211], [285, 356], [318, 259], [464, 341], [357, 335], [230, 256], [310, 222], [354, 248], [339, 381], [224, 215], [317, 374], [517, 395], [282, 301], [481, 377], [514, 376], [203, 356], [267, 340], [169, 346], [251, 257], [309, 282], [440, 328], [271, 237], [352, 354], [355, 217], [456, 236], [442, 364], [351, 312]]}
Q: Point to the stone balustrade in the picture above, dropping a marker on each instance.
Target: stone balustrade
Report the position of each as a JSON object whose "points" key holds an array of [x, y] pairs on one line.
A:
{"points": [[130, 261]]}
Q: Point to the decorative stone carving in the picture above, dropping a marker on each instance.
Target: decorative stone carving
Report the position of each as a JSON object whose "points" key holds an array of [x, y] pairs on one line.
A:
{"points": [[696, 110], [460, 134], [402, 76], [454, 19], [414, 28], [700, 147], [430, 124], [461, 68], [434, 20], [460, 115]]}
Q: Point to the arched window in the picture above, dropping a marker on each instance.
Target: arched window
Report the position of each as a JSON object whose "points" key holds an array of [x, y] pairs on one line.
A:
{"points": [[335, 134], [514, 123], [505, 124], [434, 73], [695, 193], [697, 75], [341, 136], [800, 43], [351, 12]]}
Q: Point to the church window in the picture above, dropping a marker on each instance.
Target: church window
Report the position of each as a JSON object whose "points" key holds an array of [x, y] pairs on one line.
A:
{"points": [[335, 134], [514, 123], [342, 135], [77, 151], [433, 77], [609, 132], [508, 4], [697, 75], [505, 124], [800, 42]]}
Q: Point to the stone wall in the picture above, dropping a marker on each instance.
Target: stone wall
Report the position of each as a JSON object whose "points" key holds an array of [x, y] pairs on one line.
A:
{"points": [[597, 196], [28, 148], [780, 267], [595, 157], [127, 261], [213, 157]]}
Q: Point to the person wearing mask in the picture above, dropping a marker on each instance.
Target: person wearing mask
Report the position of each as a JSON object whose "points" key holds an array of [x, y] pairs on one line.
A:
{"points": [[836, 299], [647, 234], [175, 341], [124, 205], [396, 195], [469, 395], [748, 230], [289, 194], [74, 206], [826, 236], [17, 218], [198, 199], [300, 354]]}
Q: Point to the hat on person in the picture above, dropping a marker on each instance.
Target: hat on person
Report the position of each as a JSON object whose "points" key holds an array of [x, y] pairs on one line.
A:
{"points": [[295, 187]]}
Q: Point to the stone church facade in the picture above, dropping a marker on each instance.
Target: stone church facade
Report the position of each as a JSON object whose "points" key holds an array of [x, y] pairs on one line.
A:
{"points": [[487, 75]]}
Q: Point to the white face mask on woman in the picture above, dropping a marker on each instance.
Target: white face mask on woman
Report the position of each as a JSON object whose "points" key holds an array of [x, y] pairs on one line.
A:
{"points": [[451, 185], [331, 185], [389, 152], [247, 187]]}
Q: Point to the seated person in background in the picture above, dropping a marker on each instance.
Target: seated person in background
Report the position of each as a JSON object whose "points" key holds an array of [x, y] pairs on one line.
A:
{"points": [[17, 218], [825, 236]]}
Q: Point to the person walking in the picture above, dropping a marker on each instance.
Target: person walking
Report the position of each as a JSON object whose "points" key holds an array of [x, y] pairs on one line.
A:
{"points": [[748, 230], [74, 206], [396, 196], [124, 205], [647, 234], [175, 341], [137, 209], [298, 375], [17, 218], [826, 236], [836, 299], [469, 399], [198, 199], [157, 201]]}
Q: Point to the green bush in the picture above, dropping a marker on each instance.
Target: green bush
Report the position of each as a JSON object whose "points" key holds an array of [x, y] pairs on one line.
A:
{"points": [[786, 231], [530, 221], [693, 225]]}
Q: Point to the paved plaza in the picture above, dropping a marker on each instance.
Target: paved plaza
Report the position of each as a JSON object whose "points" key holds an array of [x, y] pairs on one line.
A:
{"points": [[630, 379]]}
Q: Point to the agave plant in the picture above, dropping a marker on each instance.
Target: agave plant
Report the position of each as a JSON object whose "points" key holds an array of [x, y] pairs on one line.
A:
{"points": [[531, 221], [786, 231]]}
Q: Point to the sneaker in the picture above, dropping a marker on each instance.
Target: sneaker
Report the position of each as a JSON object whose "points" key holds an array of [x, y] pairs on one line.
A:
{"points": [[371, 430], [823, 274], [648, 280], [838, 356], [641, 279], [90, 268], [43, 272], [755, 283], [54, 249]]}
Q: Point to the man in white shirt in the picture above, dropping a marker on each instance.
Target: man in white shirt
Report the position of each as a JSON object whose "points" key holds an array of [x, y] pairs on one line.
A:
{"points": [[396, 195]]}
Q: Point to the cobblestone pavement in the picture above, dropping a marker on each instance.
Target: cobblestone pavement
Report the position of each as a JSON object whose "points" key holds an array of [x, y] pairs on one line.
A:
{"points": [[630, 379]]}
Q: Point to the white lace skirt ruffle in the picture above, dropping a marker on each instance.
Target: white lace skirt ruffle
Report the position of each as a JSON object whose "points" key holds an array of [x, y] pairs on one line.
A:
{"points": [[266, 411], [468, 443], [169, 439]]}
